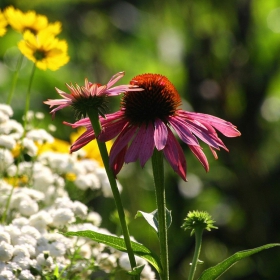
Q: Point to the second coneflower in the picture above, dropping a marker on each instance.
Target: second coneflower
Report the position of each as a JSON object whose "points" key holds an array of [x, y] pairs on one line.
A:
{"points": [[145, 121]]}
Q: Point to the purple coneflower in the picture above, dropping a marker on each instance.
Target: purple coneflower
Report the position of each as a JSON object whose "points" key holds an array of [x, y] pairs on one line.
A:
{"points": [[92, 95], [144, 123]]}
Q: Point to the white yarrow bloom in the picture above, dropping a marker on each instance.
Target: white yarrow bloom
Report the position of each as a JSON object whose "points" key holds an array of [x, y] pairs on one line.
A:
{"points": [[80, 209], [5, 236], [88, 181], [40, 220], [6, 251], [40, 135], [6, 159], [30, 147], [26, 275], [95, 218], [28, 207], [44, 259], [62, 217], [12, 128], [8, 142], [7, 275]]}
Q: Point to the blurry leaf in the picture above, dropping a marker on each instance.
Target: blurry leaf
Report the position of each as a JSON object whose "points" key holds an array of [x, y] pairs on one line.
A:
{"points": [[119, 244], [217, 270], [152, 218]]}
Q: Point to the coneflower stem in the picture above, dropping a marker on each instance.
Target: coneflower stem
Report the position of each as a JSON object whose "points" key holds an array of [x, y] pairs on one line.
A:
{"points": [[158, 171], [94, 118], [28, 96], [198, 240], [15, 77]]}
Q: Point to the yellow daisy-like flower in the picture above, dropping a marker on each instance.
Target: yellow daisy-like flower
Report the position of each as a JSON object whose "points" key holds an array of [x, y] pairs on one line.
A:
{"points": [[3, 24], [46, 51], [30, 21]]}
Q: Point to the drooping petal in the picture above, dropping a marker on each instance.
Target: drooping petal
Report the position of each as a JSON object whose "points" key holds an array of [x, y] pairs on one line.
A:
{"points": [[182, 129], [147, 149], [118, 162], [225, 127], [122, 140], [175, 155], [160, 134], [142, 145], [83, 140], [197, 151]]}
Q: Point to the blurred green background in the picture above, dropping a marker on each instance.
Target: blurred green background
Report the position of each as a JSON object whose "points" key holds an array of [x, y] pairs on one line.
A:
{"points": [[224, 59]]}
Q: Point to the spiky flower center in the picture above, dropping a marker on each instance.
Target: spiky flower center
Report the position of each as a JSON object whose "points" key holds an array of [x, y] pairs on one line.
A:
{"points": [[84, 102], [158, 100]]}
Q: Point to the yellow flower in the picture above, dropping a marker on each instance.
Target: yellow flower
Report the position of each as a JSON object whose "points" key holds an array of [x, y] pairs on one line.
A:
{"points": [[57, 145], [46, 51], [3, 24], [91, 149], [30, 21]]}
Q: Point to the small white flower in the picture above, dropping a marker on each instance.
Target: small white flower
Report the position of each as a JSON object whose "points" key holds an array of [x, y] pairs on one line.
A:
{"points": [[80, 209], [44, 259], [57, 249], [28, 207], [39, 115], [21, 221], [23, 262], [7, 275], [8, 142], [6, 159], [40, 220], [12, 128], [95, 218], [30, 147], [6, 251], [5, 236], [40, 135], [107, 262], [88, 181], [52, 127], [62, 217], [21, 251], [26, 275], [6, 109]]}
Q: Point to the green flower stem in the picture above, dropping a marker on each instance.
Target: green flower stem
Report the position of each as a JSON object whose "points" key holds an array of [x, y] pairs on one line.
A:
{"points": [[158, 170], [14, 82], [27, 102], [198, 240], [94, 118]]}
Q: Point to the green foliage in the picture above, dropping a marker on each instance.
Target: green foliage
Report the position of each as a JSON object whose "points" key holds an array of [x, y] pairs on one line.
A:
{"points": [[119, 244], [216, 271]]}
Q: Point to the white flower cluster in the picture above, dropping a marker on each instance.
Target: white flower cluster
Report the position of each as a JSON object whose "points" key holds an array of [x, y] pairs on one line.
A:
{"points": [[31, 246]]}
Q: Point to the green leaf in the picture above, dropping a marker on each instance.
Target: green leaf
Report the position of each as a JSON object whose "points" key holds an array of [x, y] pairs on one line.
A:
{"points": [[119, 244], [152, 218], [216, 271]]}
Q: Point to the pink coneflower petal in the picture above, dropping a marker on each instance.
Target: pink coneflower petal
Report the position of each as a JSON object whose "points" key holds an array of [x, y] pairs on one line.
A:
{"points": [[183, 131], [160, 134], [122, 141], [148, 143], [175, 155], [115, 79], [226, 128], [197, 151]]}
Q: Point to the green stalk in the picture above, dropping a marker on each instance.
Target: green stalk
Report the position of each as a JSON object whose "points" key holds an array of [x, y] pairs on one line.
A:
{"points": [[28, 96], [158, 170], [14, 82], [198, 241], [94, 118]]}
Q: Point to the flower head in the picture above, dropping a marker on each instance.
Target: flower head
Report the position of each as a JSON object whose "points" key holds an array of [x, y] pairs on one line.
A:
{"points": [[3, 24], [30, 21], [44, 49], [145, 122], [198, 219], [92, 95]]}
